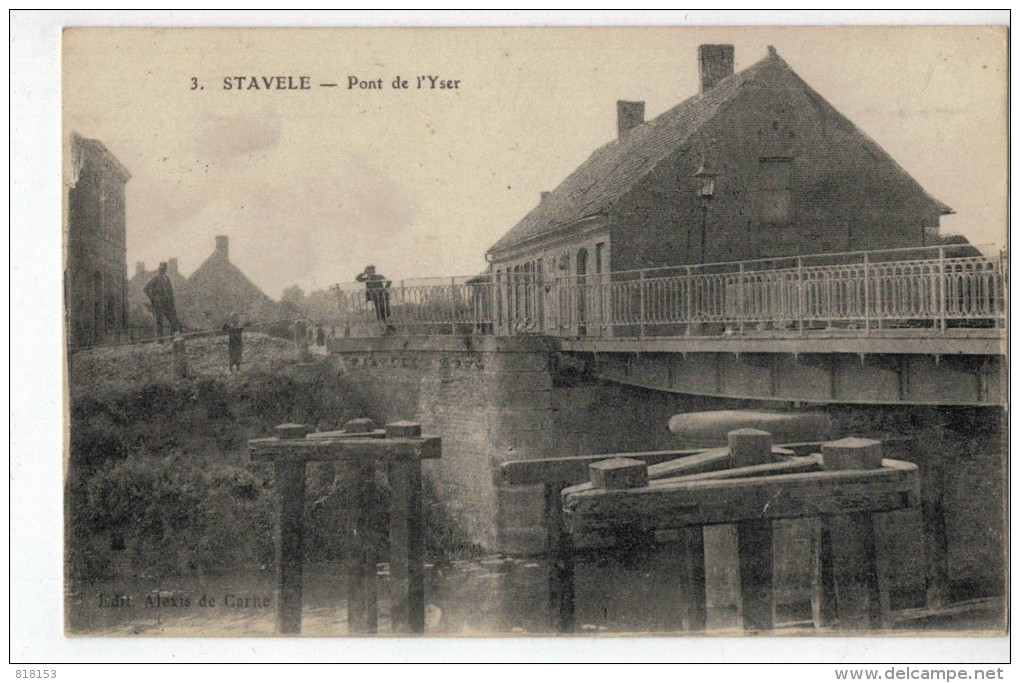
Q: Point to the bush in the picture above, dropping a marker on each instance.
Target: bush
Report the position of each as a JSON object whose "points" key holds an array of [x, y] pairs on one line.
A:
{"points": [[175, 517]]}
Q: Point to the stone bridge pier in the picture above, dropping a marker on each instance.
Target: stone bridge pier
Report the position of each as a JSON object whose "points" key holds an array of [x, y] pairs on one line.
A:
{"points": [[491, 398]]}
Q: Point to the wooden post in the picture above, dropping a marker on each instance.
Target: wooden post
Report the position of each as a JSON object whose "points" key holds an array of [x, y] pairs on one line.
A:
{"points": [[755, 556], [361, 589], [290, 497], [561, 561], [823, 584], [179, 357], [855, 569], [750, 447], [692, 578], [855, 572], [407, 568], [300, 341]]}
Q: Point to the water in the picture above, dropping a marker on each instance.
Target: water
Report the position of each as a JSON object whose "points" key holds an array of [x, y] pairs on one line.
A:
{"points": [[492, 595], [489, 596]]}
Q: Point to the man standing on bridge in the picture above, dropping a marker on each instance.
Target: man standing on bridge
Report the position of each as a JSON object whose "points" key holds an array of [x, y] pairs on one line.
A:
{"points": [[161, 298], [377, 290]]}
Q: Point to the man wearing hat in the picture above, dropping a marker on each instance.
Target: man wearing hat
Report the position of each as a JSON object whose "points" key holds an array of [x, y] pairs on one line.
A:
{"points": [[377, 290], [161, 298]]}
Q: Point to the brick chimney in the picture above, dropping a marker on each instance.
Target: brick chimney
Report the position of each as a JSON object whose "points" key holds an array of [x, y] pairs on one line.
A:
{"points": [[715, 63], [628, 115], [223, 246], [171, 265], [139, 267]]}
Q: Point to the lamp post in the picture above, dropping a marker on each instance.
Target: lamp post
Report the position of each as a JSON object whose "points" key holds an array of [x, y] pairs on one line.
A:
{"points": [[706, 189]]}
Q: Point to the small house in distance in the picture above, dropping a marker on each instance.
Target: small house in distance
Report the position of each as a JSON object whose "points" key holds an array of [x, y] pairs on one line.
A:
{"points": [[756, 165], [206, 298], [218, 288]]}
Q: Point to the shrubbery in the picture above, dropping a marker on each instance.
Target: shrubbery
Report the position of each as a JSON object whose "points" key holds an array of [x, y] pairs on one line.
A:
{"points": [[160, 469]]}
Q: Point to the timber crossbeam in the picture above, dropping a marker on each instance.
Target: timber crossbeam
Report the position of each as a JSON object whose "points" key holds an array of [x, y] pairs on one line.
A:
{"points": [[324, 449], [737, 496]]}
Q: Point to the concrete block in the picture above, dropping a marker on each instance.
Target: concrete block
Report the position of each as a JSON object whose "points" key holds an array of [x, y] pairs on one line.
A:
{"points": [[619, 473], [749, 447], [852, 453], [403, 430]]}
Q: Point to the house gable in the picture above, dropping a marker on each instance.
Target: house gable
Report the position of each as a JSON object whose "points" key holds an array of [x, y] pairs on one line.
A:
{"points": [[760, 130]]}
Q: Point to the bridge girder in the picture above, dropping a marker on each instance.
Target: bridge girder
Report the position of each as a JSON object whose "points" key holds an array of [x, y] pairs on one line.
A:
{"points": [[892, 379]]}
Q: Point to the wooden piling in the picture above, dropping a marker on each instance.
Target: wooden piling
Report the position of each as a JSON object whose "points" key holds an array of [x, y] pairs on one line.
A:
{"points": [[853, 547], [560, 552], [855, 572], [750, 447], [362, 608], [407, 547], [755, 556], [290, 497], [823, 583], [692, 578], [179, 357]]}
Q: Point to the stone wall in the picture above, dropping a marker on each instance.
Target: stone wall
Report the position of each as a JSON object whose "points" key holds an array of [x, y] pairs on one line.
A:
{"points": [[489, 398]]}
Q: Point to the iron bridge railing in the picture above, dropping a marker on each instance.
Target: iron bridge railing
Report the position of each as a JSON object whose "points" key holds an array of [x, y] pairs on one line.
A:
{"points": [[935, 288]]}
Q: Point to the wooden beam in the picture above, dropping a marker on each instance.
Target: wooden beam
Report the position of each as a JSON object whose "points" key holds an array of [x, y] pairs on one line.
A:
{"points": [[707, 461], [574, 469], [673, 504], [809, 463], [364, 448], [340, 434]]}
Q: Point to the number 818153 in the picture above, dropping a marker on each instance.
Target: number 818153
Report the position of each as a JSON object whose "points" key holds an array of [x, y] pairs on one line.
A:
{"points": [[35, 673]]}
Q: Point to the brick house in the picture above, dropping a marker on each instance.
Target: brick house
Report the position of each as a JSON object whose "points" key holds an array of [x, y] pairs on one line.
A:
{"points": [[95, 275], [218, 288], [756, 165]]}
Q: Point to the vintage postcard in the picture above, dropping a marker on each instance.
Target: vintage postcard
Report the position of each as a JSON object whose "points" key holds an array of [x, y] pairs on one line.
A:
{"points": [[503, 332]]}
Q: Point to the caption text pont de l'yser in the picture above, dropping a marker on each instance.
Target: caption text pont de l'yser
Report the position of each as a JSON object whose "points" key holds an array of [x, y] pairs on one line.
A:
{"points": [[417, 82]]}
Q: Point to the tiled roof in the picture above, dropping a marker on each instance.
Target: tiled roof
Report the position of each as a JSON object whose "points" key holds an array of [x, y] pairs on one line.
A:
{"points": [[614, 169]]}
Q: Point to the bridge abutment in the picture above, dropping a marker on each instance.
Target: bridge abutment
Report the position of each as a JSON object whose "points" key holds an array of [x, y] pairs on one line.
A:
{"points": [[500, 399], [489, 397]]}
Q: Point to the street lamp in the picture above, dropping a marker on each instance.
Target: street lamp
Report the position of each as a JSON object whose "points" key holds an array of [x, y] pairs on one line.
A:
{"points": [[706, 189]]}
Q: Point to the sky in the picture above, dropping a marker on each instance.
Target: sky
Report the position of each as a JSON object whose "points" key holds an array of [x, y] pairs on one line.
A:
{"points": [[312, 185]]}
